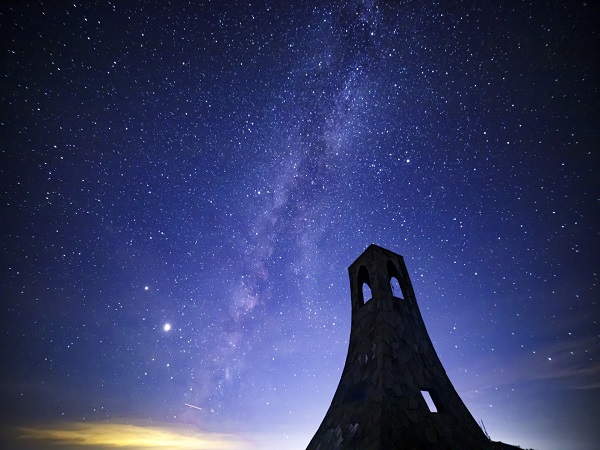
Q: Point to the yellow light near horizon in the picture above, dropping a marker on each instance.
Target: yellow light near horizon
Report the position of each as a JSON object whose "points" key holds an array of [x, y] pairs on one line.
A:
{"points": [[120, 435]]}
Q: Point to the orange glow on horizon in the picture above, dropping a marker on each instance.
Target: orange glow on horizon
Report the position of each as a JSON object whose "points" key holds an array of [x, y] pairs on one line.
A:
{"points": [[108, 435]]}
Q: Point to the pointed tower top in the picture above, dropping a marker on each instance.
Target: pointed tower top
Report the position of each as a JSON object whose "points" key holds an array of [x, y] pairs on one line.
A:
{"points": [[374, 248], [385, 274]]}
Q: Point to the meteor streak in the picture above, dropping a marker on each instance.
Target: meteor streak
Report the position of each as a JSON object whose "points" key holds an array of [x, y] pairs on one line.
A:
{"points": [[192, 406]]}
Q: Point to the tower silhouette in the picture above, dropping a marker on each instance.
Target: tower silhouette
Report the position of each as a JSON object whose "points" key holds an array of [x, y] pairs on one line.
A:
{"points": [[393, 393]]}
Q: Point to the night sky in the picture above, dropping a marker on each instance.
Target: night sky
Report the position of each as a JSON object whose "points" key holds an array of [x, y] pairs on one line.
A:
{"points": [[184, 184]]}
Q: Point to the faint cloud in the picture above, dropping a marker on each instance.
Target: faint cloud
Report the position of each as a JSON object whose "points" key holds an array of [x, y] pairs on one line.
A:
{"points": [[575, 363], [108, 435]]}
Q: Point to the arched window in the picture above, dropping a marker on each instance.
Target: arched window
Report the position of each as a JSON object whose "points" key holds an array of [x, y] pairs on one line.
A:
{"points": [[396, 290], [364, 284], [366, 291], [394, 278]]}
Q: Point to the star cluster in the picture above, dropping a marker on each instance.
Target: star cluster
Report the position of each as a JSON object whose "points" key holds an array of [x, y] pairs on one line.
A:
{"points": [[185, 183]]}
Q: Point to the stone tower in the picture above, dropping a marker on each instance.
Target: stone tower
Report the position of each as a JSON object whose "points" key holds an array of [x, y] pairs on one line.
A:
{"points": [[392, 373]]}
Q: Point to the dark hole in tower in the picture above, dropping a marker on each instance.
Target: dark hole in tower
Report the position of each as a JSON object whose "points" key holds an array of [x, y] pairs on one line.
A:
{"points": [[394, 278], [364, 284], [430, 402]]}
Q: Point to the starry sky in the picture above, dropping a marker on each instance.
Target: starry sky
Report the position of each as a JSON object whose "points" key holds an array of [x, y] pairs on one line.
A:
{"points": [[184, 184]]}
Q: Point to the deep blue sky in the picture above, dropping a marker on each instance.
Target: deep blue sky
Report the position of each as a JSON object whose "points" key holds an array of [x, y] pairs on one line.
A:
{"points": [[216, 166]]}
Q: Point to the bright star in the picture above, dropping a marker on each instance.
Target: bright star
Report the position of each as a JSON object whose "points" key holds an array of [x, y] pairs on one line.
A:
{"points": [[167, 327]]}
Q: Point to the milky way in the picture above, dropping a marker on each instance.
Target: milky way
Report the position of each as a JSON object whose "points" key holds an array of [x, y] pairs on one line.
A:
{"points": [[184, 186]]}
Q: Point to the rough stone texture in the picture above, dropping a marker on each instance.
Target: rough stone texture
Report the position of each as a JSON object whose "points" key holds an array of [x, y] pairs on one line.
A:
{"points": [[378, 404]]}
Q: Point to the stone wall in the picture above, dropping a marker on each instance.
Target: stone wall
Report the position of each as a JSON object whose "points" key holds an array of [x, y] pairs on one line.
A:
{"points": [[379, 404]]}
